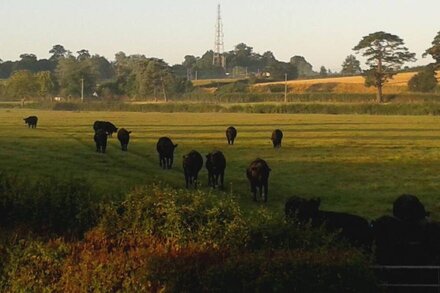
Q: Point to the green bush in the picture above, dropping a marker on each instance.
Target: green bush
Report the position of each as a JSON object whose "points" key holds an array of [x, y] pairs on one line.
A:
{"points": [[180, 215], [47, 206], [424, 81]]}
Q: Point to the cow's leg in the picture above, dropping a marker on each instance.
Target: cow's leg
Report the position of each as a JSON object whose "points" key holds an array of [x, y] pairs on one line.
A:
{"points": [[170, 163], [209, 178], [222, 180], [266, 189], [186, 179], [254, 191]]}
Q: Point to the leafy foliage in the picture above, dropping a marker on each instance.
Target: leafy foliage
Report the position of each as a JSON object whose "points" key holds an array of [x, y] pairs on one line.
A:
{"points": [[424, 81], [385, 54], [434, 51], [46, 206], [351, 66]]}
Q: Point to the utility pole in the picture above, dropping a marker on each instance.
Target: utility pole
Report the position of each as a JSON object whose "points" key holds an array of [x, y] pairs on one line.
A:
{"points": [[82, 90], [285, 88]]}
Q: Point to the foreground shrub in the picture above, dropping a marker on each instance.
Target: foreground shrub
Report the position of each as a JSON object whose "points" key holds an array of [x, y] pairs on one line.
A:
{"points": [[133, 262], [47, 206], [292, 271], [34, 266], [161, 239], [181, 215]]}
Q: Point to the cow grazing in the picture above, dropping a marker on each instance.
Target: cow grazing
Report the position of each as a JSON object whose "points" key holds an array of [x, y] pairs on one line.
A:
{"points": [[124, 138], [277, 136], [258, 176], [409, 208], [165, 148], [231, 134], [354, 229], [192, 163], [100, 140], [31, 121], [107, 126], [216, 164]]}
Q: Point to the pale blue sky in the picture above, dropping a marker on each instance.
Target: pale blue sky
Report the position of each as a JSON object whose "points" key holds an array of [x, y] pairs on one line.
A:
{"points": [[323, 31]]}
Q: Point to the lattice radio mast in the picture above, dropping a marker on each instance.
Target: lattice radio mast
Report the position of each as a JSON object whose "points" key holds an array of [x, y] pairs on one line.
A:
{"points": [[218, 57]]}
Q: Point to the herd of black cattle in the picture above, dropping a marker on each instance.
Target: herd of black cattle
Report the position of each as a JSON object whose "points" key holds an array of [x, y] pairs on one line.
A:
{"points": [[407, 237]]}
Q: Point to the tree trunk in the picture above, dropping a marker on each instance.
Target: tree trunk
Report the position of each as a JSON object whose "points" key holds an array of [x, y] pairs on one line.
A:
{"points": [[379, 94], [164, 92]]}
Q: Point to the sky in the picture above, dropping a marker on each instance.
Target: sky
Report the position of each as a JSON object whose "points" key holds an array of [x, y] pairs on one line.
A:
{"points": [[323, 31]]}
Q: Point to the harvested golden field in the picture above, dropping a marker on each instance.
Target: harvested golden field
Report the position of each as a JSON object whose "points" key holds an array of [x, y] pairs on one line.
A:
{"points": [[350, 84]]}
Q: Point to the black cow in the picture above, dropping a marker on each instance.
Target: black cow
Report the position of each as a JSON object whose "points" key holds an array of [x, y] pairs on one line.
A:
{"points": [[400, 242], [292, 208], [107, 126], [258, 176], [277, 136], [31, 121], [100, 140], [165, 148], [409, 208], [231, 134], [354, 229], [124, 138], [216, 164], [192, 163]]}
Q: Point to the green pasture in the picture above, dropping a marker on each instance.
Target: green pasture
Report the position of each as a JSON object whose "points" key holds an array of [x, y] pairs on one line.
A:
{"points": [[355, 163]]}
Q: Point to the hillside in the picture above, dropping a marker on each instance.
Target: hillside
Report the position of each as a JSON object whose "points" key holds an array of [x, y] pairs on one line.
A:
{"points": [[350, 84]]}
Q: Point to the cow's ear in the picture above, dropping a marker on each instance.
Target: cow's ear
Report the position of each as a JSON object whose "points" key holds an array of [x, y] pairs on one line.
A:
{"points": [[175, 146], [129, 132], [270, 169]]}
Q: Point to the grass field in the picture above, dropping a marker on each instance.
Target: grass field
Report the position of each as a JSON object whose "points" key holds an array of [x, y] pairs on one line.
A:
{"points": [[355, 163]]}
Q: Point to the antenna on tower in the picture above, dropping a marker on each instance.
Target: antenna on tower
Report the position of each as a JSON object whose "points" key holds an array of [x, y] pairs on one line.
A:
{"points": [[218, 57]]}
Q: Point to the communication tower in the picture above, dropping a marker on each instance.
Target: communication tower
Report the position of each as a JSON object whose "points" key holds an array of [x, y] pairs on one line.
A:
{"points": [[218, 57]]}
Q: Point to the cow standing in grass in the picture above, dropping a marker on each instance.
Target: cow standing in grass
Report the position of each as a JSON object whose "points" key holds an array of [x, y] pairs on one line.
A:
{"points": [[277, 136], [216, 165], [31, 121], [100, 140], [258, 176], [165, 148], [124, 138], [192, 163], [231, 134], [352, 228], [107, 126]]}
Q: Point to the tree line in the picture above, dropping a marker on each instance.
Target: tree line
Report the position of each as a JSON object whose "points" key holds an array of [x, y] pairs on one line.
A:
{"points": [[136, 76]]}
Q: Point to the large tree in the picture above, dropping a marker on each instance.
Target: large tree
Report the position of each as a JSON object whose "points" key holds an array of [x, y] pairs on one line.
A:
{"points": [[22, 84], [57, 52], [71, 71], [385, 55], [351, 66], [304, 67], [434, 51]]}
